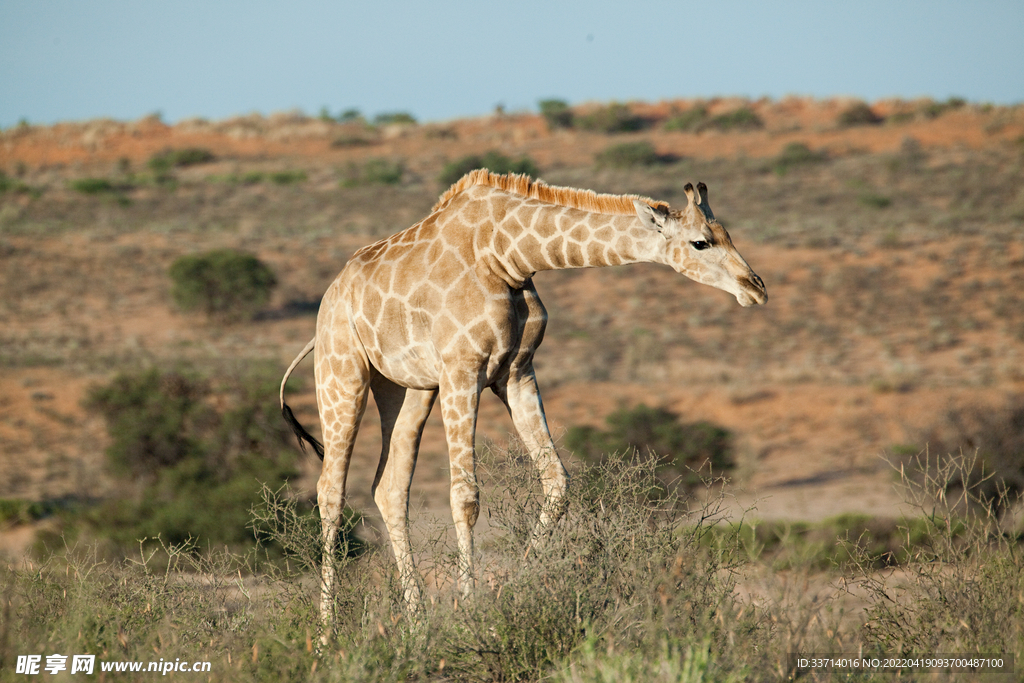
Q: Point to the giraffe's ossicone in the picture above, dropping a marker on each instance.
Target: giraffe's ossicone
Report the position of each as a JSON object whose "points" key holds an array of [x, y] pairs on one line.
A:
{"points": [[447, 308]]}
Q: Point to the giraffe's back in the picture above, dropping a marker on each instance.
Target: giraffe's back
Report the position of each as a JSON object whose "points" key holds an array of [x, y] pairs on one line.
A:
{"points": [[418, 299]]}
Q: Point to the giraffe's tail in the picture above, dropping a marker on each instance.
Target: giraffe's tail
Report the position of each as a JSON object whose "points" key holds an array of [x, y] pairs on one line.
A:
{"points": [[289, 417]]}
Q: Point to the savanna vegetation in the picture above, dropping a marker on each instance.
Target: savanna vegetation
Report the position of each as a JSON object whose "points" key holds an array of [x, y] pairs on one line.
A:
{"points": [[150, 301], [635, 583]]}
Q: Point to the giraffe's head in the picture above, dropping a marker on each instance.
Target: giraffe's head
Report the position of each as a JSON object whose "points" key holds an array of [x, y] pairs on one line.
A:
{"points": [[697, 245]]}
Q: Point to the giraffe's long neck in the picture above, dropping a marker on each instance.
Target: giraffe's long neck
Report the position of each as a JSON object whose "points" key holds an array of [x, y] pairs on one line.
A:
{"points": [[535, 236]]}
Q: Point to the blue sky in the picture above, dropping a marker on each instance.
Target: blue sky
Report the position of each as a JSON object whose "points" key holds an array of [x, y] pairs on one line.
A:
{"points": [[74, 60]]}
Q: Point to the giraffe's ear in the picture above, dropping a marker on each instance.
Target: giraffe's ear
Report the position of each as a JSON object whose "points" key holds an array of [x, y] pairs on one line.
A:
{"points": [[653, 218]]}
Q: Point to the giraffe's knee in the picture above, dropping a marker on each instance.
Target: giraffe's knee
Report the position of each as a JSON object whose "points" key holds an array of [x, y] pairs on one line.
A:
{"points": [[466, 504], [392, 505], [555, 478], [471, 511], [329, 501]]}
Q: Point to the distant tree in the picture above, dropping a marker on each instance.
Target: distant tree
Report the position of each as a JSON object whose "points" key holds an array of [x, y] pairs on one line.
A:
{"points": [[556, 113]]}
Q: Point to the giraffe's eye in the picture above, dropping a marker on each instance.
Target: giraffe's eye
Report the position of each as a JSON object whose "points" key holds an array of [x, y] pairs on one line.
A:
{"points": [[700, 245]]}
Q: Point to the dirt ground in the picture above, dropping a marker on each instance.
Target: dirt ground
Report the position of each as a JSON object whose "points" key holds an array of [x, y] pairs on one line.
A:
{"points": [[879, 319]]}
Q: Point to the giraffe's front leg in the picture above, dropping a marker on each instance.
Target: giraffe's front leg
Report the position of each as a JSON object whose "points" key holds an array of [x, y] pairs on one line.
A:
{"points": [[460, 387], [522, 398]]}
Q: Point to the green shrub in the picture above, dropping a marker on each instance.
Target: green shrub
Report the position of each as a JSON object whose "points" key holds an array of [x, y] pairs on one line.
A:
{"points": [[164, 161], [933, 110], [8, 183], [697, 119], [693, 119], [743, 118], [287, 177], [361, 138], [224, 284], [494, 161], [557, 113], [16, 511], [93, 185], [615, 118], [394, 117], [858, 114], [900, 118], [874, 200], [191, 502], [151, 419], [682, 449], [374, 172], [796, 154], [628, 155], [201, 451]]}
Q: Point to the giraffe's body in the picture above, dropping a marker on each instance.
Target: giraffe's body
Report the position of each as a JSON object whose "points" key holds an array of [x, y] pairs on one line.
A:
{"points": [[447, 308]]}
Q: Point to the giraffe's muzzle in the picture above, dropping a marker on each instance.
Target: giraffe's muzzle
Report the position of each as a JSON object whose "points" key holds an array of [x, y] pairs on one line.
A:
{"points": [[752, 290]]}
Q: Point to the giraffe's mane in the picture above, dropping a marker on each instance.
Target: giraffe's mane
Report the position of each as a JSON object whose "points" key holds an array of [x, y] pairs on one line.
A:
{"points": [[523, 185]]}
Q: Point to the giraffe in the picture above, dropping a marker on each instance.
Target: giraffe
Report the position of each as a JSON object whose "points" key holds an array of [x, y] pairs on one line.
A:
{"points": [[447, 308]]}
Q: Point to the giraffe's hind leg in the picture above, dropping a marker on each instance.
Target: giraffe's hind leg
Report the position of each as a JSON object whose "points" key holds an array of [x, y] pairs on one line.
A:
{"points": [[403, 412], [342, 385]]}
